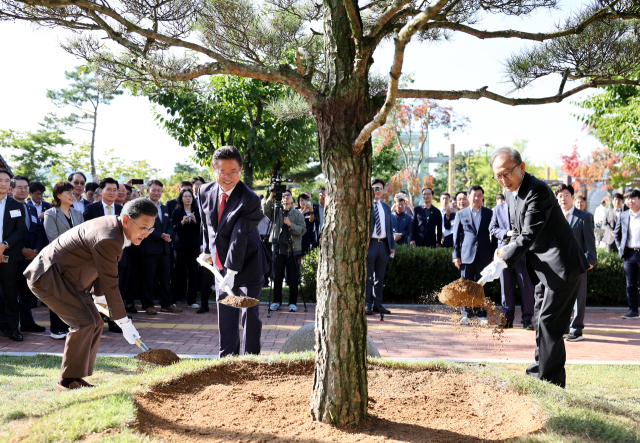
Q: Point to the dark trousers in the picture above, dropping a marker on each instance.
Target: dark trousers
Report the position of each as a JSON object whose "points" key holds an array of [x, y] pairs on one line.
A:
{"points": [[152, 266], [228, 319], [24, 296], [553, 313], [282, 262], [186, 275], [125, 274], [377, 259], [579, 307], [9, 282], [631, 268], [448, 241], [508, 283], [206, 286], [612, 248], [471, 271]]}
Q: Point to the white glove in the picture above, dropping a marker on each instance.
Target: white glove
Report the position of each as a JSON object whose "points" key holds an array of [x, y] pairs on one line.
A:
{"points": [[206, 257], [493, 271], [228, 279], [502, 250], [100, 299], [129, 332]]}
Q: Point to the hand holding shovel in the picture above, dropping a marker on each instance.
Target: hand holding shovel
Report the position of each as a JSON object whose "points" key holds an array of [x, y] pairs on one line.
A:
{"points": [[231, 299], [101, 306]]}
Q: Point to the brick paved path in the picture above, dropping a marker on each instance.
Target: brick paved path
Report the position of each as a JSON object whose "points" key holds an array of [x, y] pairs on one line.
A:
{"points": [[409, 332]]}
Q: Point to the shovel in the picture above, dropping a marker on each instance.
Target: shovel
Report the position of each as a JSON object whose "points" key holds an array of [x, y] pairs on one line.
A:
{"points": [[104, 311], [231, 299]]}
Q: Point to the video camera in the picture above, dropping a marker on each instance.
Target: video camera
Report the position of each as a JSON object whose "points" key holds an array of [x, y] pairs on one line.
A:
{"points": [[278, 187]]}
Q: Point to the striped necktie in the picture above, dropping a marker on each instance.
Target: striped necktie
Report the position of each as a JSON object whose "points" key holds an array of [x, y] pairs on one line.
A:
{"points": [[376, 217]]}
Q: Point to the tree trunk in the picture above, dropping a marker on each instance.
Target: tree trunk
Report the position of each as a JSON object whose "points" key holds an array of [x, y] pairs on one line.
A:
{"points": [[339, 392], [93, 143]]}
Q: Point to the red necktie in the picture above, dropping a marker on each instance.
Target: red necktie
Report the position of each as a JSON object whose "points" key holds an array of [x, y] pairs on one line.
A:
{"points": [[223, 202]]}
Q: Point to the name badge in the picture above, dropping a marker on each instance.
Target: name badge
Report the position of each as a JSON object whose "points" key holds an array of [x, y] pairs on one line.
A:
{"points": [[166, 215], [15, 213], [34, 219]]}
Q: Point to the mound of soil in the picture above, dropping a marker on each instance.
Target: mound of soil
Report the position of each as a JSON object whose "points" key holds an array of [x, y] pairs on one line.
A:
{"points": [[244, 401], [462, 294], [161, 357], [239, 302]]}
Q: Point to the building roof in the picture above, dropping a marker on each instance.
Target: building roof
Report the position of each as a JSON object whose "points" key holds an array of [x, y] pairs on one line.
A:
{"points": [[4, 164]]}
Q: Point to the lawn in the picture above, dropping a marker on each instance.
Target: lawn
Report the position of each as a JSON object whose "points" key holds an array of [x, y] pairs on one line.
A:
{"points": [[601, 403]]}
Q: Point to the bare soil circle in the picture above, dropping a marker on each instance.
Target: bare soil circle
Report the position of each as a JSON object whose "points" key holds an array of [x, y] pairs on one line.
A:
{"points": [[252, 402]]}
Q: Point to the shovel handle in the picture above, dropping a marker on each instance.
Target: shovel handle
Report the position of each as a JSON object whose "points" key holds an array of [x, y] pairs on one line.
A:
{"points": [[141, 345], [217, 275]]}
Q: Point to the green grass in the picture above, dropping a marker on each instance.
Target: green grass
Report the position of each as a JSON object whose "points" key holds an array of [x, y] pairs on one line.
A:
{"points": [[600, 404]]}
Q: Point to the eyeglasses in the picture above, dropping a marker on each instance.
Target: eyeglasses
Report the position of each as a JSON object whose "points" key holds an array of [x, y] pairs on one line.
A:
{"points": [[143, 231], [227, 174], [506, 174], [377, 188], [78, 183]]}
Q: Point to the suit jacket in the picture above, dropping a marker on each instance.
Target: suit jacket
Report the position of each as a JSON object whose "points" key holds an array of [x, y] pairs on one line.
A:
{"points": [[426, 227], [55, 222], [13, 229], [45, 204], [622, 232], [154, 244], [186, 236], [33, 237], [609, 225], [236, 237], [95, 210], [500, 225], [583, 228], [542, 234], [469, 242], [402, 225], [86, 257], [388, 227], [173, 204]]}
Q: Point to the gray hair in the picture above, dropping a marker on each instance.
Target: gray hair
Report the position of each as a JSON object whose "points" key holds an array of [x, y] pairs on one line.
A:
{"points": [[139, 206], [513, 154]]}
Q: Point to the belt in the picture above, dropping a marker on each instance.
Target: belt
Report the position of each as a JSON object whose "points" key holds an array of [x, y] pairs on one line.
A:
{"points": [[632, 249], [379, 239]]}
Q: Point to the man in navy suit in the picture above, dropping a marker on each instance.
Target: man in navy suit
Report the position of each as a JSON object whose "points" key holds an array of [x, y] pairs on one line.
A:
{"points": [[381, 246], [78, 180], [31, 243], [108, 205], [582, 224], [501, 229], [401, 221], [426, 227], [154, 256], [472, 250], [36, 191], [230, 213], [448, 213], [627, 235]]}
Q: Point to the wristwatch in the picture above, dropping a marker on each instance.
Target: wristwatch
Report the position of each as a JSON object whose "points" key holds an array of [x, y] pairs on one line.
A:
{"points": [[6, 245]]}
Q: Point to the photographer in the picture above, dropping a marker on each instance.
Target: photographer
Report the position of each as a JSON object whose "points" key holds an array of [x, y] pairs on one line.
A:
{"points": [[289, 248]]}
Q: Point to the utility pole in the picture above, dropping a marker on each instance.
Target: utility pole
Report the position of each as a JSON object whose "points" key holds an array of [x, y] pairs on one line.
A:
{"points": [[452, 159]]}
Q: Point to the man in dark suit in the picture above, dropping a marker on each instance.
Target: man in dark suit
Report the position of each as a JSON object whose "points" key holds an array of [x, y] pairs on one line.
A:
{"points": [[90, 190], [472, 250], [108, 205], [401, 222], [13, 227], [78, 180], [318, 209], [154, 256], [611, 218], [448, 213], [627, 235], [171, 206], [381, 247], [426, 227], [230, 213], [501, 229], [582, 224], [31, 243], [554, 259], [36, 191]]}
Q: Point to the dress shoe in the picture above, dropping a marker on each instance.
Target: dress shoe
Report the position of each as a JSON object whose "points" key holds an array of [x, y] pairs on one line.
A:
{"points": [[631, 315], [508, 324], [72, 386], [527, 325], [575, 336], [113, 327], [381, 309], [151, 311], [170, 308], [32, 328], [202, 310], [15, 335], [83, 383], [131, 309], [368, 311]]}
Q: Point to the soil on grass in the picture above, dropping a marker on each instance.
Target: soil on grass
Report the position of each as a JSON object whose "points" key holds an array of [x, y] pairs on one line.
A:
{"points": [[161, 357], [239, 302], [250, 402]]}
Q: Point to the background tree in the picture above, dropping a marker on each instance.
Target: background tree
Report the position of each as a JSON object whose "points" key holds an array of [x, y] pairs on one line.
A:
{"points": [[234, 111], [386, 161], [332, 43], [86, 93]]}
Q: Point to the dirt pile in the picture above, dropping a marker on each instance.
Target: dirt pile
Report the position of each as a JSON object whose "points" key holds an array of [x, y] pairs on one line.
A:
{"points": [[239, 302], [246, 401], [462, 293], [158, 357]]}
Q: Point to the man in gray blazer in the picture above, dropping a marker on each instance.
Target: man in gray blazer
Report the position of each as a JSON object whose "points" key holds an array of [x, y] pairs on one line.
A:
{"points": [[381, 246], [581, 223], [611, 218]]}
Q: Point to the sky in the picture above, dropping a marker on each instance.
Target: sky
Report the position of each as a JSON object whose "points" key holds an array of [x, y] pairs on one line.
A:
{"points": [[34, 62]]}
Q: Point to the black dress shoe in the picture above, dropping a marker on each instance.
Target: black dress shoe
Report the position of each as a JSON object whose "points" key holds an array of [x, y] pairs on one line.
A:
{"points": [[15, 335], [382, 310], [202, 310], [32, 328], [508, 324], [527, 325], [113, 327], [131, 309], [368, 311]]}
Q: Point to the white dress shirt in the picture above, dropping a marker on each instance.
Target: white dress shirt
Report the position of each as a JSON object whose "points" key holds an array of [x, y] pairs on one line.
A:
{"points": [[127, 242], [220, 192], [569, 214], [38, 207], [476, 216], [383, 230], [106, 210], [79, 204], [3, 205], [445, 232], [633, 236]]}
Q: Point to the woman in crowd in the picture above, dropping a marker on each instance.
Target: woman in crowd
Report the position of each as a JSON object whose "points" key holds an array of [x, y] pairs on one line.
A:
{"points": [[310, 238], [58, 220], [186, 225]]}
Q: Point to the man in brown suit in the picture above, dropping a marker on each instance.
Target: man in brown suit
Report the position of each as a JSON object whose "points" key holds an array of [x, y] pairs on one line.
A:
{"points": [[83, 262]]}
